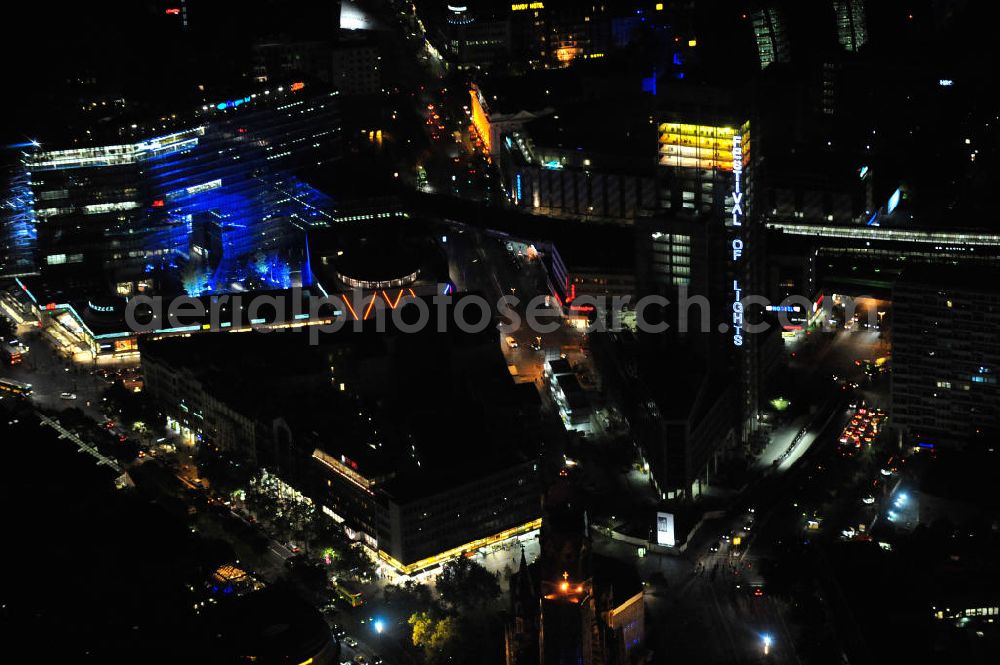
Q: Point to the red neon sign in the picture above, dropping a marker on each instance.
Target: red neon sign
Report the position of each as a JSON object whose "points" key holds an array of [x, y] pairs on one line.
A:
{"points": [[298, 85], [173, 11], [158, 203]]}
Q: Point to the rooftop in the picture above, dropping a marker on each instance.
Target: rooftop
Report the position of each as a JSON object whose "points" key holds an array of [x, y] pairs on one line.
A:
{"points": [[402, 407], [376, 251], [605, 247], [610, 127]]}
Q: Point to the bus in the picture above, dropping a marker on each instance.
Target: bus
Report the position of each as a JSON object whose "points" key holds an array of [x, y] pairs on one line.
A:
{"points": [[11, 354], [348, 592], [12, 387]]}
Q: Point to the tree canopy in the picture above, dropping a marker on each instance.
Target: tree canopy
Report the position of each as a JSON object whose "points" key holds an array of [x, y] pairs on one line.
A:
{"points": [[467, 585]]}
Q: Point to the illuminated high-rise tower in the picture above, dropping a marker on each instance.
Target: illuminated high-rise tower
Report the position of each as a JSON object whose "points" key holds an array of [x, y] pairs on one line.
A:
{"points": [[771, 34], [852, 28], [710, 243]]}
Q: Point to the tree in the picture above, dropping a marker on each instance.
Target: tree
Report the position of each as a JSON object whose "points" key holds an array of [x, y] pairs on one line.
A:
{"points": [[478, 639], [437, 637], [352, 561], [134, 407], [224, 471], [264, 505], [294, 519], [261, 264], [467, 585], [444, 634], [194, 279], [408, 597], [323, 533], [423, 626]]}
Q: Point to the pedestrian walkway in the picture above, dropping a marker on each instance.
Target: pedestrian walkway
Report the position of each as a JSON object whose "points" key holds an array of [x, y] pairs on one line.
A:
{"points": [[781, 441], [83, 446]]}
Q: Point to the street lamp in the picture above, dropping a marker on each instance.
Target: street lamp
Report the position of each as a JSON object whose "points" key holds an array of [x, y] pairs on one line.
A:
{"points": [[379, 626], [766, 641]]}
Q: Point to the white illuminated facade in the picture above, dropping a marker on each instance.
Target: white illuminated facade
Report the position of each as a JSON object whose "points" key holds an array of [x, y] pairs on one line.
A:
{"points": [[114, 155], [404, 280], [943, 239], [353, 17]]}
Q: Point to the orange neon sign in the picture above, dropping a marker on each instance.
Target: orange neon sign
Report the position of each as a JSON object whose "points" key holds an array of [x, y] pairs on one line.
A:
{"points": [[392, 302]]}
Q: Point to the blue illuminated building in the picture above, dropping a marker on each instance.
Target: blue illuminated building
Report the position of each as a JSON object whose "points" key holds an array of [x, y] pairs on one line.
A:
{"points": [[18, 226], [213, 207]]}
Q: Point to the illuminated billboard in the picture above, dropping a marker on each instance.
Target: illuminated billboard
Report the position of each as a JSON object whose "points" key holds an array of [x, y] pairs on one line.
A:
{"points": [[665, 529]]}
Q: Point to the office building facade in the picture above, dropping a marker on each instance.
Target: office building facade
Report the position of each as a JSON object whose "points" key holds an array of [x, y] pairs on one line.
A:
{"points": [[946, 355]]}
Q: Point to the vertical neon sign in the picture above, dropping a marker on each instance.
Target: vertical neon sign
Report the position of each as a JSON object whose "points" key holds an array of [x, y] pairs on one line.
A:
{"points": [[738, 245]]}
